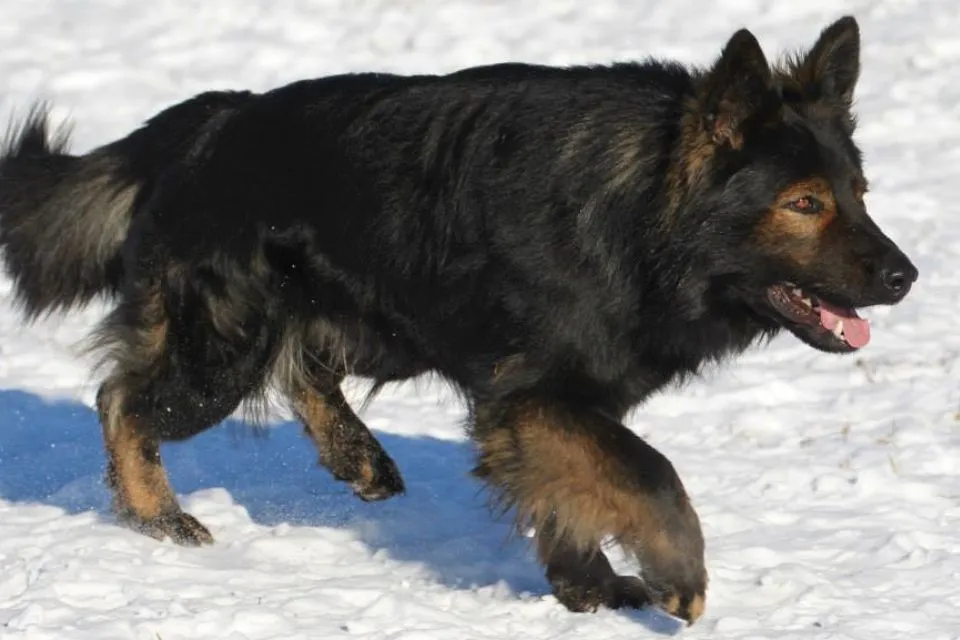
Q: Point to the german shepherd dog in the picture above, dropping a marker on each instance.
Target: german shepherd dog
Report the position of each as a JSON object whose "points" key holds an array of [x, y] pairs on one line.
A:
{"points": [[557, 243]]}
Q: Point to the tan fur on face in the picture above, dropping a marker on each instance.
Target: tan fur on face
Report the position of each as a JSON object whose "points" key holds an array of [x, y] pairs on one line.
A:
{"points": [[796, 236]]}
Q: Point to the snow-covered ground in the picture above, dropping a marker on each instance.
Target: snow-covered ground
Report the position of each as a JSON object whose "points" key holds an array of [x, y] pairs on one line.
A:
{"points": [[829, 487]]}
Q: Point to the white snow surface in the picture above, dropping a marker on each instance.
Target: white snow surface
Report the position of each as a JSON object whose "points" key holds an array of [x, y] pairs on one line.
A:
{"points": [[827, 486]]}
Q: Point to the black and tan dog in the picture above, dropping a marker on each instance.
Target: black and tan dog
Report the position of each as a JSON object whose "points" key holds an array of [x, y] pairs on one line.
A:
{"points": [[558, 243]]}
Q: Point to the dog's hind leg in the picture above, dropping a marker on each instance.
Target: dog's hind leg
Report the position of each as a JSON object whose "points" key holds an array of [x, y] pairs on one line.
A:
{"points": [[580, 477], [345, 445], [174, 375], [142, 497]]}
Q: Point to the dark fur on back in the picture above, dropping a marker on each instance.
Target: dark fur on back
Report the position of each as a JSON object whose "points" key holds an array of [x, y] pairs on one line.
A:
{"points": [[558, 243]]}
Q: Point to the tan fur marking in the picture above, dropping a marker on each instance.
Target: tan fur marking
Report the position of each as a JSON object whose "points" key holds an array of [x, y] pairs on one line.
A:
{"points": [[696, 609], [367, 474], [698, 149], [567, 476], [155, 337], [690, 165], [136, 472], [672, 605], [319, 418], [579, 477], [726, 130], [345, 445], [795, 235]]}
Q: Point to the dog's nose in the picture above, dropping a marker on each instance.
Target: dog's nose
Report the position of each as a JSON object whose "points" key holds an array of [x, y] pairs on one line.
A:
{"points": [[898, 275], [895, 279]]}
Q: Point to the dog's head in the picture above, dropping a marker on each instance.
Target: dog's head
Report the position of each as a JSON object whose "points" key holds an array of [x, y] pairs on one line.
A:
{"points": [[787, 226]]}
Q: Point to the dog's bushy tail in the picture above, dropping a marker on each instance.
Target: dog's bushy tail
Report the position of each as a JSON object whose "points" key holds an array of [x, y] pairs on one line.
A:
{"points": [[63, 218]]}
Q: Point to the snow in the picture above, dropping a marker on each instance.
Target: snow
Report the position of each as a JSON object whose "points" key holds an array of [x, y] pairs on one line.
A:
{"points": [[827, 486]]}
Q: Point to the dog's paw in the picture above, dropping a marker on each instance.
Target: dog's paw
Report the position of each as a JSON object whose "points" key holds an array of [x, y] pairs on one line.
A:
{"points": [[671, 557], [379, 479], [629, 592], [616, 592], [181, 527], [680, 590], [687, 604]]}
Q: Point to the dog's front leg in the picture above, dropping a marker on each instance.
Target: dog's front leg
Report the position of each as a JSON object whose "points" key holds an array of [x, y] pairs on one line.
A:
{"points": [[579, 477]]}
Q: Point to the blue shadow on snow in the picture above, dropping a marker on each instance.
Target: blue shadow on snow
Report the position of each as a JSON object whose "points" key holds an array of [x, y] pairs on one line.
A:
{"points": [[51, 453]]}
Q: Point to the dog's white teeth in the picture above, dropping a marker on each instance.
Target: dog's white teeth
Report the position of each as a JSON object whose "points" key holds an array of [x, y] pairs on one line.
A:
{"points": [[838, 330], [808, 302]]}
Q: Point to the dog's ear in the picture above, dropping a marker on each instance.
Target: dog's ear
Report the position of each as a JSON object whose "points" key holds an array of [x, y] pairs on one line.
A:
{"points": [[735, 89], [829, 71]]}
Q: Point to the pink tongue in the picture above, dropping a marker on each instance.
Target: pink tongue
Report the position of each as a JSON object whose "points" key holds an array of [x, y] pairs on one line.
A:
{"points": [[856, 330]]}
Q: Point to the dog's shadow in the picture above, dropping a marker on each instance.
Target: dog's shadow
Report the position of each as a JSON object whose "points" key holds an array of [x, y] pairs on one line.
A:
{"points": [[51, 453]]}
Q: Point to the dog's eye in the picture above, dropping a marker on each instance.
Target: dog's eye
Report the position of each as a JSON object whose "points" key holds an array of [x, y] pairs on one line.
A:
{"points": [[806, 204]]}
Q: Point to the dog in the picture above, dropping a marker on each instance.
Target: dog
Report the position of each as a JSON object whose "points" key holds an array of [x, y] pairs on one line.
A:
{"points": [[556, 243]]}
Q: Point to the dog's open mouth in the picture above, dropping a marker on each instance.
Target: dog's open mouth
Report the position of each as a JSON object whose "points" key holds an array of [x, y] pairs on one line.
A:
{"points": [[822, 321]]}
